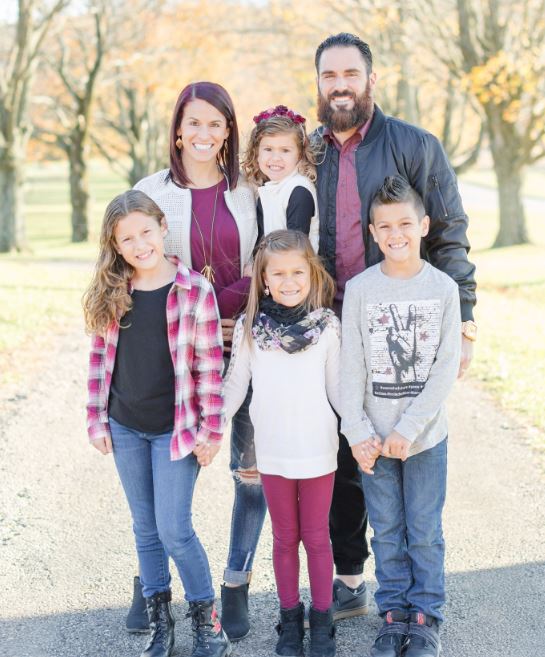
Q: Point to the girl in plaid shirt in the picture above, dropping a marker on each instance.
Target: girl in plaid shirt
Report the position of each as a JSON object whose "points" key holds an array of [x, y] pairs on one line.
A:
{"points": [[155, 401]]}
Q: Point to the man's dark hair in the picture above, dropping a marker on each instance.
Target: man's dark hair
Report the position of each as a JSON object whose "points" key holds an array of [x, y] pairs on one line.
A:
{"points": [[396, 189], [345, 40]]}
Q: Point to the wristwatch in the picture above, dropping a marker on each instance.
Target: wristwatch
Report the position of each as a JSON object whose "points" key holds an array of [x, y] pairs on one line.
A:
{"points": [[469, 330]]}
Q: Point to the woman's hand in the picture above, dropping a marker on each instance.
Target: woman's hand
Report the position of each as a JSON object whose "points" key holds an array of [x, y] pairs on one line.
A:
{"points": [[104, 445], [205, 453]]}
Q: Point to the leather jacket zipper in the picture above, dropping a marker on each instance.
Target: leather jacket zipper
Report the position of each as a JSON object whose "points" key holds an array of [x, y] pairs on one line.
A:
{"points": [[440, 194]]}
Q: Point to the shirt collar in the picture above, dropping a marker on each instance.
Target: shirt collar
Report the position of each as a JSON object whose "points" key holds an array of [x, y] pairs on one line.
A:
{"points": [[359, 135]]}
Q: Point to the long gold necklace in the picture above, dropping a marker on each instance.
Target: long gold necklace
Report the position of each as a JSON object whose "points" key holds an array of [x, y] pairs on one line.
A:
{"points": [[208, 271]]}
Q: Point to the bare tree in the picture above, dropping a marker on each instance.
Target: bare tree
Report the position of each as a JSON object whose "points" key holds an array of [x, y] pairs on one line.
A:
{"points": [[498, 49], [77, 63], [16, 76], [138, 142]]}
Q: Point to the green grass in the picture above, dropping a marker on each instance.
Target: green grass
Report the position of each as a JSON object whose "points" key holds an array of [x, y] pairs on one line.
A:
{"points": [[510, 352], [47, 210], [41, 291]]}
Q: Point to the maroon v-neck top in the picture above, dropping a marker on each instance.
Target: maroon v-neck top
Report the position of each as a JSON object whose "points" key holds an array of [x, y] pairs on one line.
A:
{"points": [[221, 243]]}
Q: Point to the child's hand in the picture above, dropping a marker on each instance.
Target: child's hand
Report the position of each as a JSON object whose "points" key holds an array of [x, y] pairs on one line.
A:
{"points": [[366, 453], [248, 269], [227, 329], [205, 453], [396, 446], [104, 445]]}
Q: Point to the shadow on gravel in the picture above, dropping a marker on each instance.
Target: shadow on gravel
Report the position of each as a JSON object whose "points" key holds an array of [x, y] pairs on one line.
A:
{"points": [[490, 613]]}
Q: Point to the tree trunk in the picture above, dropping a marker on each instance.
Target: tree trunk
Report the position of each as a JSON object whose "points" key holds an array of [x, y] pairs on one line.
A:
{"points": [[512, 219], [509, 170], [79, 187], [139, 167], [12, 229]]}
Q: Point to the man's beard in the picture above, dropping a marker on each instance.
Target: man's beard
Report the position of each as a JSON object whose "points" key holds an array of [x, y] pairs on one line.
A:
{"points": [[342, 120]]}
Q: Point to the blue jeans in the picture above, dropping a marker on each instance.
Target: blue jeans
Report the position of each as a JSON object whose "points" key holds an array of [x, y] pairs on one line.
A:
{"points": [[405, 503], [249, 507], [160, 493]]}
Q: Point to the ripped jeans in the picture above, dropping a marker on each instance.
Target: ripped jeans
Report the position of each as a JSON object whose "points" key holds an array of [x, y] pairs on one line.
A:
{"points": [[249, 507]]}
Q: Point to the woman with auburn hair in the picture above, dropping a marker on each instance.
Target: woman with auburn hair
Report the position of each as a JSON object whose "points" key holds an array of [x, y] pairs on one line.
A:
{"points": [[211, 217]]}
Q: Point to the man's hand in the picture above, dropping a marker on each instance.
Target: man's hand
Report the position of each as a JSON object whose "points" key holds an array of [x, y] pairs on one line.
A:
{"points": [[104, 445], [466, 357], [227, 326], [396, 446], [366, 453], [205, 453]]}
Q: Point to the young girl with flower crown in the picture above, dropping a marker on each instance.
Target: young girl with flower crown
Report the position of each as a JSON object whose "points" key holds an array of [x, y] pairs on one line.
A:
{"points": [[288, 345], [280, 160], [155, 401]]}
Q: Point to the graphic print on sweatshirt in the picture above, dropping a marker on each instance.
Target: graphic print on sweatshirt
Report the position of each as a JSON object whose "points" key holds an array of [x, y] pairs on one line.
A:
{"points": [[404, 339]]}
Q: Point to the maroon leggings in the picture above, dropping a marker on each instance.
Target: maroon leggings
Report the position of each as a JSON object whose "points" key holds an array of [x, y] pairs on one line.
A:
{"points": [[299, 511]]}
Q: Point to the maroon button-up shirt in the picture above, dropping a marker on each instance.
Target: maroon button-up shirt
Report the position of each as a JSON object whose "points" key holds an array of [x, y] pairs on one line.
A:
{"points": [[350, 248]]}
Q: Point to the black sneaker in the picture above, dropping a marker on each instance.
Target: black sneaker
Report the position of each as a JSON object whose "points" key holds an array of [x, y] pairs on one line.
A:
{"points": [[423, 639], [348, 602], [392, 636]]}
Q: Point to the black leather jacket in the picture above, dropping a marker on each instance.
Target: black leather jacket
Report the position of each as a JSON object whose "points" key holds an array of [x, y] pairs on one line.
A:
{"points": [[394, 147]]}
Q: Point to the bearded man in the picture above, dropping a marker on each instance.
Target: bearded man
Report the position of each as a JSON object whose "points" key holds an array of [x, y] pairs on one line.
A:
{"points": [[359, 146]]}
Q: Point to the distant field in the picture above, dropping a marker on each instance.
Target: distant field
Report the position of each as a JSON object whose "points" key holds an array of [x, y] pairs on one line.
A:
{"points": [[41, 291], [48, 209]]}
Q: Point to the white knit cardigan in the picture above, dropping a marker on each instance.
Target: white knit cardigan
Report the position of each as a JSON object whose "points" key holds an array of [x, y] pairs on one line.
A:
{"points": [[175, 202]]}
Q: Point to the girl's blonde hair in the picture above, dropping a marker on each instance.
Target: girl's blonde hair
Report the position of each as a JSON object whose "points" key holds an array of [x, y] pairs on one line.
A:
{"points": [[322, 286], [107, 298], [277, 125]]}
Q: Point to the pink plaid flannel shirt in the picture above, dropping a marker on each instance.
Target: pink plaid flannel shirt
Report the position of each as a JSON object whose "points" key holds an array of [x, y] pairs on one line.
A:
{"points": [[196, 347]]}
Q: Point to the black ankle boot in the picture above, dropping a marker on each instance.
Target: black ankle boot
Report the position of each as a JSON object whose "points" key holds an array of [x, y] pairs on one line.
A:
{"points": [[322, 633], [291, 631], [137, 618], [423, 639], [161, 623], [209, 639], [234, 611]]}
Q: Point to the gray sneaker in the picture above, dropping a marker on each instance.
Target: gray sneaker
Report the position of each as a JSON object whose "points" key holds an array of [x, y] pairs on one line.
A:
{"points": [[348, 603]]}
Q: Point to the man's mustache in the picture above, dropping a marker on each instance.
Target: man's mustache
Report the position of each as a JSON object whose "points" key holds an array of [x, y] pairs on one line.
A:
{"points": [[342, 94]]}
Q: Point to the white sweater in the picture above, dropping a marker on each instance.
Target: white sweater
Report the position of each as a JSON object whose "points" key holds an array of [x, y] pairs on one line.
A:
{"points": [[295, 428], [175, 202], [275, 197]]}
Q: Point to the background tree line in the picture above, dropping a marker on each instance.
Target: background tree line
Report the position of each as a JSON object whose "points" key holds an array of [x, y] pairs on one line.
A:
{"points": [[100, 78]]}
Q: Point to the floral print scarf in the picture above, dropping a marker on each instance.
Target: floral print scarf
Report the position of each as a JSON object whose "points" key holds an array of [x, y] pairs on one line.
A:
{"points": [[290, 329]]}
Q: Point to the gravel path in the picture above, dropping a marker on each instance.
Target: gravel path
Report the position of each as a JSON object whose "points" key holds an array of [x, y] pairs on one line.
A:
{"points": [[67, 556]]}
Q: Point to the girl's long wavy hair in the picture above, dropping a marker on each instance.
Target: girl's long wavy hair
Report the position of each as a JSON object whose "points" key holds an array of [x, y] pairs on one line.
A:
{"points": [[278, 125], [107, 298], [322, 285]]}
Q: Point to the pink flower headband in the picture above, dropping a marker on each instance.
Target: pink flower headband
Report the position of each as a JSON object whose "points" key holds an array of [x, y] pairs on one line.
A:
{"points": [[279, 110]]}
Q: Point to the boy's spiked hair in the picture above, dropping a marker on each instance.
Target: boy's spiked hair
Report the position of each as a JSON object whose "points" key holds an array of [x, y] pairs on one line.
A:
{"points": [[396, 189]]}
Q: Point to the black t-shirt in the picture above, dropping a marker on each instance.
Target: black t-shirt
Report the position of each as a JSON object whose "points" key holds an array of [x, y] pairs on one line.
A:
{"points": [[142, 391], [299, 212]]}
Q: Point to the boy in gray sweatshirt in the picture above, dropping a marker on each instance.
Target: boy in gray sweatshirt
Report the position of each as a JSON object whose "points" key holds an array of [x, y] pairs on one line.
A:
{"points": [[401, 340]]}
